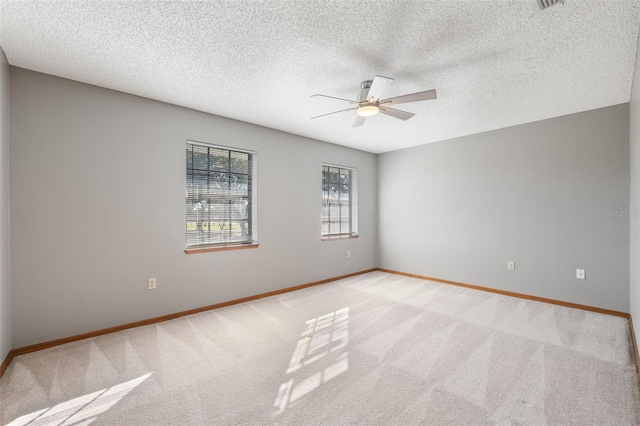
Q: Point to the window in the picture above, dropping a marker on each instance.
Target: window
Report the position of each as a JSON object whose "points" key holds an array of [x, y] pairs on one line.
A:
{"points": [[339, 202], [220, 197]]}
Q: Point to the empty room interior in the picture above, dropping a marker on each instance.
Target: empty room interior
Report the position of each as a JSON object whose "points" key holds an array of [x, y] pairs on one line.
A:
{"points": [[319, 212]]}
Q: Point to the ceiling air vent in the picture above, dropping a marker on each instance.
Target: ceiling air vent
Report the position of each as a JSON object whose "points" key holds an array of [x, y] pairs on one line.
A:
{"points": [[543, 4]]}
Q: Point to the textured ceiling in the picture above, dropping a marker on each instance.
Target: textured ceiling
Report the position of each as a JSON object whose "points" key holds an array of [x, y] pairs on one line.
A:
{"points": [[493, 63]]}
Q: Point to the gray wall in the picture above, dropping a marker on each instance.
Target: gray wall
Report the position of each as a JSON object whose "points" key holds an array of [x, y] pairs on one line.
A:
{"points": [[536, 194], [634, 246], [5, 284], [98, 206]]}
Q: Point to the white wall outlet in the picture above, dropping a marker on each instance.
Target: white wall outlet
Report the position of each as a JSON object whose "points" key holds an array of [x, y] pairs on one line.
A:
{"points": [[580, 274], [348, 253], [151, 283], [511, 266]]}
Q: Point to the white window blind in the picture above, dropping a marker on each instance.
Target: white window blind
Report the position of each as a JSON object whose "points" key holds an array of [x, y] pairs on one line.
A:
{"points": [[339, 206], [219, 196]]}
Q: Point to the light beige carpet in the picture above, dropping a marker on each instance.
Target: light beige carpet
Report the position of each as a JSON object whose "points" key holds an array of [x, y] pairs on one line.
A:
{"points": [[372, 349]]}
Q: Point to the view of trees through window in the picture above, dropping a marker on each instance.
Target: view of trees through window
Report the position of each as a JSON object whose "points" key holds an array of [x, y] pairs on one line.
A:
{"points": [[337, 198], [219, 196]]}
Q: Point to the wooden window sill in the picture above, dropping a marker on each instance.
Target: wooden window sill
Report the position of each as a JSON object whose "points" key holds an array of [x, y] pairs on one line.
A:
{"points": [[220, 248], [339, 237]]}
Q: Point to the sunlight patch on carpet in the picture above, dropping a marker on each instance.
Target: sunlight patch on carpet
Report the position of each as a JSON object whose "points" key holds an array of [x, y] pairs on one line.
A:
{"points": [[81, 410], [326, 335]]}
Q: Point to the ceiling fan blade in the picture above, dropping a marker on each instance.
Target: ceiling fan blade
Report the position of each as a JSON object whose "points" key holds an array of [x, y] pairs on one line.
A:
{"points": [[359, 121], [378, 87], [396, 113], [334, 112], [413, 97], [333, 97]]}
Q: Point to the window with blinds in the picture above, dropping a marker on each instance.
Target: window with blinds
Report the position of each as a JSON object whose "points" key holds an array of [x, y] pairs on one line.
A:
{"points": [[220, 188], [339, 206]]}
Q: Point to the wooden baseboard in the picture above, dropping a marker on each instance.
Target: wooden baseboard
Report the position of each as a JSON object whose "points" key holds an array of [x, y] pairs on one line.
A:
{"points": [[512, 294], [537, 299], [635, 344], [64, 340], [40, 346], [6, 362]]}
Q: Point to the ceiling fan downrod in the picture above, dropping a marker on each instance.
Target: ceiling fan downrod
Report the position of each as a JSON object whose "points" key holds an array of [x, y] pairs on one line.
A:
{"points": [[364, 90]]}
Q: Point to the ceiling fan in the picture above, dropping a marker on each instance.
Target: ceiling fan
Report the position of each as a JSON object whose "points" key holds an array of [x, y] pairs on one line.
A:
{"points": [[369, 101]]}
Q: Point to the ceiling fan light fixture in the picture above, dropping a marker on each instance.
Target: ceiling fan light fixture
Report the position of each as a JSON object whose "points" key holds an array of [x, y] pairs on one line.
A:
{"points": [[367, 110]]}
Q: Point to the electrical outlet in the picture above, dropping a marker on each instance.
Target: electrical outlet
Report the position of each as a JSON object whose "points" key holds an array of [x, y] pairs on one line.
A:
{"points": [[151, 283], [348, 253], [580, 274], [511, 266]]}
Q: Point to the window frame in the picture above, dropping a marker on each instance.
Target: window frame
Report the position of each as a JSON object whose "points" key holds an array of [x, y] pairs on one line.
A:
{"points": [[252, 240], [353, 204]]}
